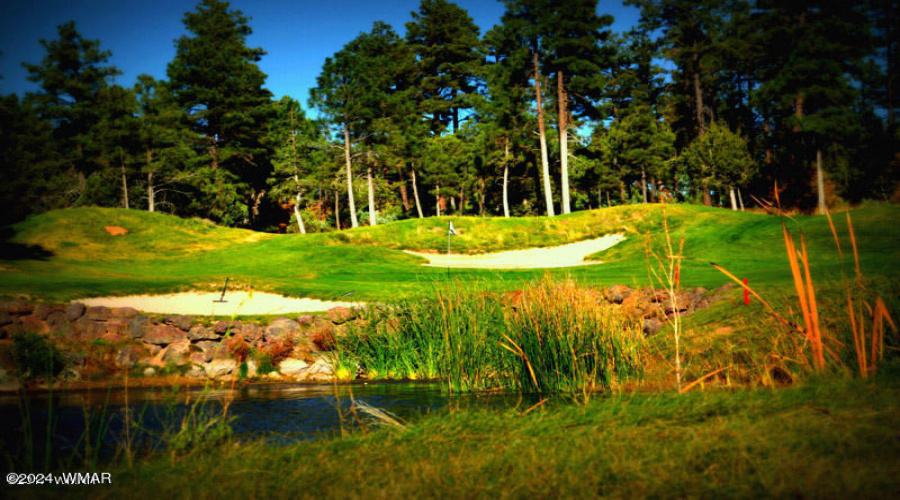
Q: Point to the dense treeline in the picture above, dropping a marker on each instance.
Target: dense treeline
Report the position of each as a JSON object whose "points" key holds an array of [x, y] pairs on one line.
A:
{"points": [[550, 111]]}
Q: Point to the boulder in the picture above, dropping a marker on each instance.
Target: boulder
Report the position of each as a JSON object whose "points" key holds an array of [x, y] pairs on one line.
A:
{"points": [[321, 369], [306, 320], [11, 330], [149, 371], [112, 337], [86, 329], [282, 328], [199, 358], [124, 312], [651, 326], [198, 332], [98, 313], [138, 327], [223, 327], [178, 352], [252, 332], [75, 359], [75, 311], [212, 350], [180, 322], [5, 318], [164, 335], [117, 326], [16, 307], [32, 323], [339, 315], [196, 372], [220, 367], [292, 367], [322, 336], [56, 319], [127, 356], [618, 293], [42, 311]]}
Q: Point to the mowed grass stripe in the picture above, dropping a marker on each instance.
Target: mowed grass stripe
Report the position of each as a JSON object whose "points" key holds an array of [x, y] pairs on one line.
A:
{"points": [[162, 253]]}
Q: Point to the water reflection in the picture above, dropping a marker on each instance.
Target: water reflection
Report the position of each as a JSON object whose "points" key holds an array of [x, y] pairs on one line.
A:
{"points": [[275, 413]]}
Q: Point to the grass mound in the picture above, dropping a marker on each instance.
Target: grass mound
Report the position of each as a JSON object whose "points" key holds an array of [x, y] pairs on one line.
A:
{"points": [[162, 253]]}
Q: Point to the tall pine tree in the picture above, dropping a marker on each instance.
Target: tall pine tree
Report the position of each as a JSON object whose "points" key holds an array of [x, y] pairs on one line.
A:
{"points": [[215, 78]]}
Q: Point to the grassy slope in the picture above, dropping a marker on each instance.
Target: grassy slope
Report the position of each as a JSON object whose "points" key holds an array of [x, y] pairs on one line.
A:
{"points": [[163, 253], [835, 439]]}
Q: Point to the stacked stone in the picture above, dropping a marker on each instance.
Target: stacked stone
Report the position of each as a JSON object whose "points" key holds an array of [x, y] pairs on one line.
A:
{"points": [[209, 350]]}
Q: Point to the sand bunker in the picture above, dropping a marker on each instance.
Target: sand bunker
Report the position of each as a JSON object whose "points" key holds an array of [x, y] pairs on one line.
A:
{"points": [[569, 255], [203, 304]]}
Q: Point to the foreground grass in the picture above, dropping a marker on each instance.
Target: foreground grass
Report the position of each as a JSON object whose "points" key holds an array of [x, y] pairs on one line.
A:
{"points": [[66, 254], [828, 439]]}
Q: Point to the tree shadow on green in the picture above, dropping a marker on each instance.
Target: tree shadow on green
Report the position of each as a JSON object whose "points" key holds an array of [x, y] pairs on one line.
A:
{"points": [[19, 251]]}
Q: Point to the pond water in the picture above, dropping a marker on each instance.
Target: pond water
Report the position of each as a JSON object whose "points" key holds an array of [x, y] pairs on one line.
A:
{"points": [[274, 413]]}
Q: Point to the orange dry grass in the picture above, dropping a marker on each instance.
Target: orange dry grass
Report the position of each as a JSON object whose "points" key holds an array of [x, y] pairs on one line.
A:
{"points": [[869, 347]]}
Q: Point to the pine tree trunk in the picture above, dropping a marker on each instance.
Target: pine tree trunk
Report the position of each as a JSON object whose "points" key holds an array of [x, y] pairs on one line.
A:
{"points": [[480, 195], [698, 94], [404, 196], [337, 210], [740, 200], [416, 195], [151, 193], [373, 217], [352, 203], [439, 199], [820, 183], [300, 224], [545, 162], [125, 188], [608, 203], [707, 198], [506, 178], [644, 184], [563, 99], [733, 199]]}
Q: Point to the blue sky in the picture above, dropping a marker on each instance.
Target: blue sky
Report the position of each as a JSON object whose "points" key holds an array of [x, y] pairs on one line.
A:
{"points": [[298, 35]]}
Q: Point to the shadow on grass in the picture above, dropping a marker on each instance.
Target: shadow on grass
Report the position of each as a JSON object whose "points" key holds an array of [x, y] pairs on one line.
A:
{"points": [[20, 251]]}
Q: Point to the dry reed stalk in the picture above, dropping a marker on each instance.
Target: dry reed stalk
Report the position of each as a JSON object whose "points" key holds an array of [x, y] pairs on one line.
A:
{"points": [[855, 251], [837, 241], [815, 333], [521, 353], [752, 292], [701, 379], [868, 351]]}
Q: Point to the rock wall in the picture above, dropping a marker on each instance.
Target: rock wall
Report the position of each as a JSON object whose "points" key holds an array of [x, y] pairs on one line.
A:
{"points": [[295, 347]]}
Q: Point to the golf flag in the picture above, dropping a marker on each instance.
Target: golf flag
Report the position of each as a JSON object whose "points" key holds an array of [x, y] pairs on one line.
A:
{"points": [[451, 230]]}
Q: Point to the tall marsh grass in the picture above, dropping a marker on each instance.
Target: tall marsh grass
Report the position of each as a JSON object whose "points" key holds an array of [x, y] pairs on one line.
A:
{"points": [[547, 337], [826, 339]]}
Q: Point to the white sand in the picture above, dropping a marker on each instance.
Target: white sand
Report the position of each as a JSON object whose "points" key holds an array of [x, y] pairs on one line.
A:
{"points": [[247, 303], [569, 255], [202, 304]]}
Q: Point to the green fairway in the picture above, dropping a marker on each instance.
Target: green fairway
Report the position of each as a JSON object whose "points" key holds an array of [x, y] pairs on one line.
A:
{"points": [[67, 254]]}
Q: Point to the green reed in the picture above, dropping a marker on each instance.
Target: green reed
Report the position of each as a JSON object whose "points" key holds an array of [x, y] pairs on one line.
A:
{"points": [[548, 337]]}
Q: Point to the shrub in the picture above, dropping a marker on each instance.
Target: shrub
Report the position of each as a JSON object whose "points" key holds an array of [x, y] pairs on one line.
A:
{"points": [[36, 357]]}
